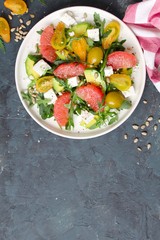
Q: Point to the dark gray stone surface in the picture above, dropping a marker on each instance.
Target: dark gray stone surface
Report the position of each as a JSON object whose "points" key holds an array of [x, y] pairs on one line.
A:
{"points": [[53, 188]]}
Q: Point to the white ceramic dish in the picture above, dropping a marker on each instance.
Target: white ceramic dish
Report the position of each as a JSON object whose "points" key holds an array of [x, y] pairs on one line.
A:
{"points": [[29, 46]]}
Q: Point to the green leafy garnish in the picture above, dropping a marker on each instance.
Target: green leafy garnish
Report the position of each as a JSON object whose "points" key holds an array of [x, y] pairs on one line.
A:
{"points": [[40, 32], [2, 47], [46, 110], [99, 23]]}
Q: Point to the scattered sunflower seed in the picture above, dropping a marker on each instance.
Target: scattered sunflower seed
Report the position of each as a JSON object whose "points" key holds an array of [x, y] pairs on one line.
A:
{"points": [[13, 29], [28, 22], [139, 149], [145, 101], [149, 146], [20, 20], [32, 15], [17, 34], [144, 133], [126, 136], [136, 139], [23, 26], [155, 127], [143, 126], [150, 118], [10, 17], [135, 126], [147, 123]]}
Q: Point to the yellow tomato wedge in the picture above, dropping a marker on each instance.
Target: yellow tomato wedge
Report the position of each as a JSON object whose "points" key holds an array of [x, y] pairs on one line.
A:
{"points": [[79, 47], [112, 31], [18, 7], [121, 81], [44, 84], [58, 40], [5, 30]]}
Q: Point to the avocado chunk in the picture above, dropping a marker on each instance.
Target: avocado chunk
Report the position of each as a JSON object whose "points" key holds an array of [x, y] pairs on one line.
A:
{"points": [[93, 76], [91, 124], [29, 63], [80, 29], [58, 87]]}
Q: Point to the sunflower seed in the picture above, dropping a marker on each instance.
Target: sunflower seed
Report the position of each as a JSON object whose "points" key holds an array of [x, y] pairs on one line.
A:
{"points": [[147, 123], [135, 126], [20, 20], [150, 118], [143, 126], [13, 29], [139, 149], [145, 101], [126, 136], [10, 17], [28, 22], [136, 139], [149, 146], [144, 133], [155, 127], [32, 15]]}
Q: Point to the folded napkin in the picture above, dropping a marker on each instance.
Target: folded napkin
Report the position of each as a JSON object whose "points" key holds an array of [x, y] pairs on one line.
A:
{"points": [[144, 20]]}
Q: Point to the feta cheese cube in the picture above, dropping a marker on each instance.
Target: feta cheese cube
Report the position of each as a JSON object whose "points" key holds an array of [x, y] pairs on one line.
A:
{"points": [[108, 71], [51, 95], [41, 67], [93, 34], [73, 82], [68, 20], [130, 92], [71, 34]]}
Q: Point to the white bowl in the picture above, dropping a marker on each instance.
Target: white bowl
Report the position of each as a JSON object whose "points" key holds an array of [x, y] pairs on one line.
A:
{"points": [[29, 45]]}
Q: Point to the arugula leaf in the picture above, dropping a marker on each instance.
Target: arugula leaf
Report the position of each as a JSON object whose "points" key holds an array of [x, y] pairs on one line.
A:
{"points": [[2, 47], [26, 96], [46, 111], [99, 23], [40, 32], [107, 33]]}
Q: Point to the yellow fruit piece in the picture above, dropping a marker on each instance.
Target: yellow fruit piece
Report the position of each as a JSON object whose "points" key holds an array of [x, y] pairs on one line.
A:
{"points": [[58, 40], [113, 29], [4, 30], [18, 7], [44, 84], [79, 47], [121, 81]]}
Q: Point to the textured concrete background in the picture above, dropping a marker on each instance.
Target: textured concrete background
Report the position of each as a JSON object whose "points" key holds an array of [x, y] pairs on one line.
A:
{"points": [[53, 188]]}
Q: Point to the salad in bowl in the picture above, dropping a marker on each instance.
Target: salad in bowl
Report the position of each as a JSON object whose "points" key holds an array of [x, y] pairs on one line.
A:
{"points": [[81, 73]]}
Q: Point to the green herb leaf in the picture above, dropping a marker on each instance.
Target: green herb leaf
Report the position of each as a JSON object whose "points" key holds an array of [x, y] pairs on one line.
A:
{"points": [[2, 47], [46, 111], [99, 23], [106, 34], [40, 31], [26, 96]]}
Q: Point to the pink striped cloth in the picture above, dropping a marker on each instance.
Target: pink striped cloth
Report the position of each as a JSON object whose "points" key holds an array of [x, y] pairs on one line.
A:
{"points": [[144, 20]]}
